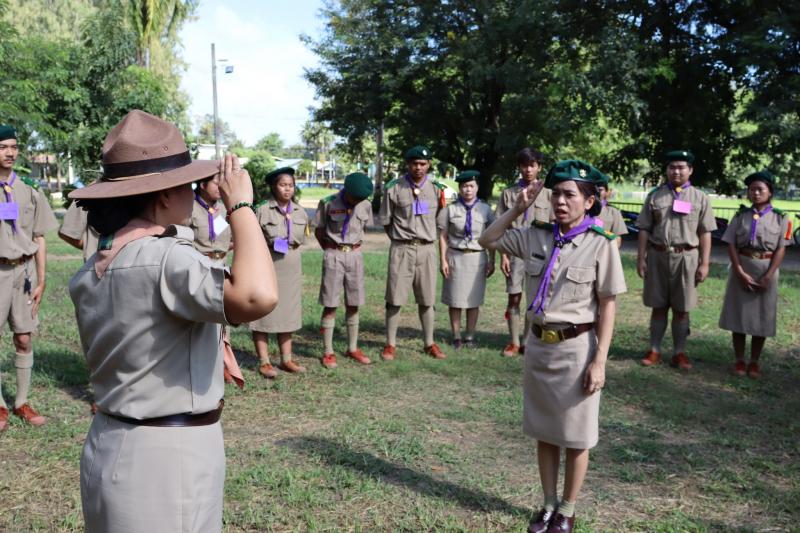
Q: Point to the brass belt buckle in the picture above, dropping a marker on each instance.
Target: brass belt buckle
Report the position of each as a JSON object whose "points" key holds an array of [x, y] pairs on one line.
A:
{"points": [[346, 247], [550, 336]]}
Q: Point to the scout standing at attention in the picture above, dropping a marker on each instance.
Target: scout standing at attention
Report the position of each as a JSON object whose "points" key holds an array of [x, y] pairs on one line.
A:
{"points": [[610, 217], [756, 240], [25, 216], [212, 235], [463, 261], [529, 162], [408, 215], [76, 231], [149, 309], [575, 274], [285, 226], [675, 220], [340, 223]]}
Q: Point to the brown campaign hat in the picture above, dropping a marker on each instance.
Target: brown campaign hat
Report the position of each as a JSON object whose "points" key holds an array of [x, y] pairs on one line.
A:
{"points": [[144, 154]]}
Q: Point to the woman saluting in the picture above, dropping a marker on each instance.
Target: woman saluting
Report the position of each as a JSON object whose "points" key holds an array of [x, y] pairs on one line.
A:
{"points": [[574, 276]]}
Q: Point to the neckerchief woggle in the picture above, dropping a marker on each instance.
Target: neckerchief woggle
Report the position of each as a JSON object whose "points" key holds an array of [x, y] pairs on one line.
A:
{"points": [[212, 235], [416, 190], [678, 190], [468, 223], [523, 185], [7, 190], [348, 213], [754, 222], [559, 240]]}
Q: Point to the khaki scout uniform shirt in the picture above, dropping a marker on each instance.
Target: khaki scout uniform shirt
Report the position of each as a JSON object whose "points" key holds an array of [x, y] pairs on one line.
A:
{"points": [[453, 218], [540, 210], [667, 228], [587, 269], [35, 219], [76, 226], [771, 231], [150, 327], [397, 211], [273, 223], [330, 216], [612, 220], [199, 224]]}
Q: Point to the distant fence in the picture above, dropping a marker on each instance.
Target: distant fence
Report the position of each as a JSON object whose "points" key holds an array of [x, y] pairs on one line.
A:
{"points": [[720, 212]]}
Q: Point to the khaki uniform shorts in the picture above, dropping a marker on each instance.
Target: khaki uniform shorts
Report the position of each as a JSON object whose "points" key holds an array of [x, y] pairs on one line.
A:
{"points": [[14, 306], [342, 270], [670, 280], [412, 267], [515, 283]]}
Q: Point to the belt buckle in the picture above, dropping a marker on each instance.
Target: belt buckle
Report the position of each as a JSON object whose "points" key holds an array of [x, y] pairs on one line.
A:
{"points": [[346, 247], [414, 242], [550, 336]]}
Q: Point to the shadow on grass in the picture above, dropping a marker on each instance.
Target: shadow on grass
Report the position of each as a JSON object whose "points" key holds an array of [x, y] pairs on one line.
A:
{"points": [[66, 370], [338, 454]]}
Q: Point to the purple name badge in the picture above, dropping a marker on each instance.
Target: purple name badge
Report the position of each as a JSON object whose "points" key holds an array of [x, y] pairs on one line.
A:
{"points": [[281, 246], [9, 211], [421, 207], [682, 206]]}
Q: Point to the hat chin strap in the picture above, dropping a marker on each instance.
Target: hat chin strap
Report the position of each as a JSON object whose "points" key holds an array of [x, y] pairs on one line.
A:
{"points": [[129, 169]]}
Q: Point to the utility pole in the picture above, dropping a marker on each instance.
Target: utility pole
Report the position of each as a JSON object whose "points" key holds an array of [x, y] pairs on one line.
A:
{"points": [[216, 112]]}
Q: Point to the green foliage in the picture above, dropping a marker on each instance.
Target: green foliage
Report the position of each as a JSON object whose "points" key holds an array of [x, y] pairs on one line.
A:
{"points": [[259, 165], [205, 132], [271, 143]]}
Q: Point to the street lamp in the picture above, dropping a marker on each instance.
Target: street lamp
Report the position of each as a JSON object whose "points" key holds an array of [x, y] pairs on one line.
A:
{"points": [[228, 70]]}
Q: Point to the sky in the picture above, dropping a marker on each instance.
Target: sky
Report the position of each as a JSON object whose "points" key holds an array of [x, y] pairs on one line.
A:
{"points": [[266, 91]]}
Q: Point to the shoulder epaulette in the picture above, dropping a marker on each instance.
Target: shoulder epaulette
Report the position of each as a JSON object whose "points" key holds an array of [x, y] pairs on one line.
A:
{"points": [[30, 183], [439, 184], [605, 233], [330, 198], [780, 212], [259, 204], [391, 183], [542, 225]]}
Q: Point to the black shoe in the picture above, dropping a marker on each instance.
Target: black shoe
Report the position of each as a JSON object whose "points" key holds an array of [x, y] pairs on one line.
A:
{"points": [[561, 524], [457, 344], [470, 343], [540, 522]]}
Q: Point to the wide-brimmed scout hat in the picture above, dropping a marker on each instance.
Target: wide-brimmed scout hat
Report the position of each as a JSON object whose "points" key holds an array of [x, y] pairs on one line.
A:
{"points": [[144, 154]]}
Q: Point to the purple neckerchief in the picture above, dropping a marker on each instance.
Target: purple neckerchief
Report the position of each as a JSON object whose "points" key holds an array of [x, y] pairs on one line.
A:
{"points": [[7, 189], [348, 213], [468, 224], [212, 235], [558, 242], [288, 216], [417, 206], [682, 188], [603, 203], [522, 184], [754, 222]]}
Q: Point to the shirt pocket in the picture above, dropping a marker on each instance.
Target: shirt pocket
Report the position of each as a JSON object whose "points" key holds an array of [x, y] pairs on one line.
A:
{"points": [[274, 229], [579, 284], [336, 221], [457, 223], [533, 269]]}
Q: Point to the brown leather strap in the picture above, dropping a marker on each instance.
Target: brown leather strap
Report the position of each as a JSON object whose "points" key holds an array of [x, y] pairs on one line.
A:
{"points": [[329, 245], [465, 250], [562, 334], [755, 254], [676, 249], [176, 421], [15, 262], [412, 242]]}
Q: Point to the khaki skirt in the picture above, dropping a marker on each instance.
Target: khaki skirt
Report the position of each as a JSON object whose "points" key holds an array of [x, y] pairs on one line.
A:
{"points": [[750, 313], [466, 286], [287, 316], [556, 409]]}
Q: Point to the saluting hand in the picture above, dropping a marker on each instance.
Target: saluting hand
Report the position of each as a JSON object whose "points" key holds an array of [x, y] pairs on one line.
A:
{"points": [[528, 196], [234, 183]]}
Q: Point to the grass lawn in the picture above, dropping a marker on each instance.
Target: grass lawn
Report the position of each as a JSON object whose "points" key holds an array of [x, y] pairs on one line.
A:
{"points": [[424, 445]]}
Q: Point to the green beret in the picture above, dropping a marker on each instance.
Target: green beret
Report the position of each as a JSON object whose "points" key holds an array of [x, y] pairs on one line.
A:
{"points": [[417, 152], [573, 170], [277, 172], [7, 132], [358, 185], [765, 175], [467, 175], [679, 155]]}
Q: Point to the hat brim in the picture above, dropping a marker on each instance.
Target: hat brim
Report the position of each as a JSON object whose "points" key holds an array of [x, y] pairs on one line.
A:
{"points": [[147, 183]]}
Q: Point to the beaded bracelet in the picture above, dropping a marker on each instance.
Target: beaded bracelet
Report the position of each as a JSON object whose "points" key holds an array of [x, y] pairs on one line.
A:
{"points": [[237, 206]]}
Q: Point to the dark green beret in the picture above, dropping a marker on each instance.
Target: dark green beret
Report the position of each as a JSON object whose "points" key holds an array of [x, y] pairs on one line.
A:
{"points": [[417, 152], [358, 185], [573, 170], [277, 172], [7, 132], [467, 175], [765, 175], [679, 155]]}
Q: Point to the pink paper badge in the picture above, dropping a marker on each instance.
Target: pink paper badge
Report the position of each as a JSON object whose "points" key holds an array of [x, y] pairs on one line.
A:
{"points": [[9, 211], [682, 206], [599, 222]]}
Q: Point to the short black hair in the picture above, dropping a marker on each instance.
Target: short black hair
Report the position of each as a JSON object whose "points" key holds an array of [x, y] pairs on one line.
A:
{"points": [[528, 155]]}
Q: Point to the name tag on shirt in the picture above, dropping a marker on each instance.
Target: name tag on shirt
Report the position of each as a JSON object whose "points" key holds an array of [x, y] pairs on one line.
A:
{"points": [[599, 222], [281, 246], [9, 211], [682, 206], [220, 225], [421, 207]]}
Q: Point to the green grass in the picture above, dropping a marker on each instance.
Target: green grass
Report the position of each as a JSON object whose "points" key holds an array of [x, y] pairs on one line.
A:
{"points": [[425, 445]]}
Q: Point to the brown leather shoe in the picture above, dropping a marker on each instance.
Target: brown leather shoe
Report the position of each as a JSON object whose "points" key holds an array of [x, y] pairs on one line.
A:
{"points": [[291, 367], [540, 522], [511, 350], [753, 371], [359, 356], [268, 371], [3, 419], [652, 358], [739, 368], [681, 362], [388, 353], [329, 360], [434, 351], [27, 413], [93, 408], [561, 524]]}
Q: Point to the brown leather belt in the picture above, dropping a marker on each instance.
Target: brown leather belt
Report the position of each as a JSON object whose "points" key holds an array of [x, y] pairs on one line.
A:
{"points": [[412, 242], [755, 254], [216, 255], [553, 336], [465, 250], [176, 421], [326, 245], [15, 262], [675, 249]]}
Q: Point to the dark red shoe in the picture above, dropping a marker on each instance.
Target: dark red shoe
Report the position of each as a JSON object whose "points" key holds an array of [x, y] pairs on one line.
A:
{"points": [[561, 524], [681, 362], [541, 521], [359, 356], [3, 419], [329, 360], [511, 350], [753, 371], [434, 351], [388, 353], [268, 371], [26, 412], [739, 368], [291, 367], [652, 358]]}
